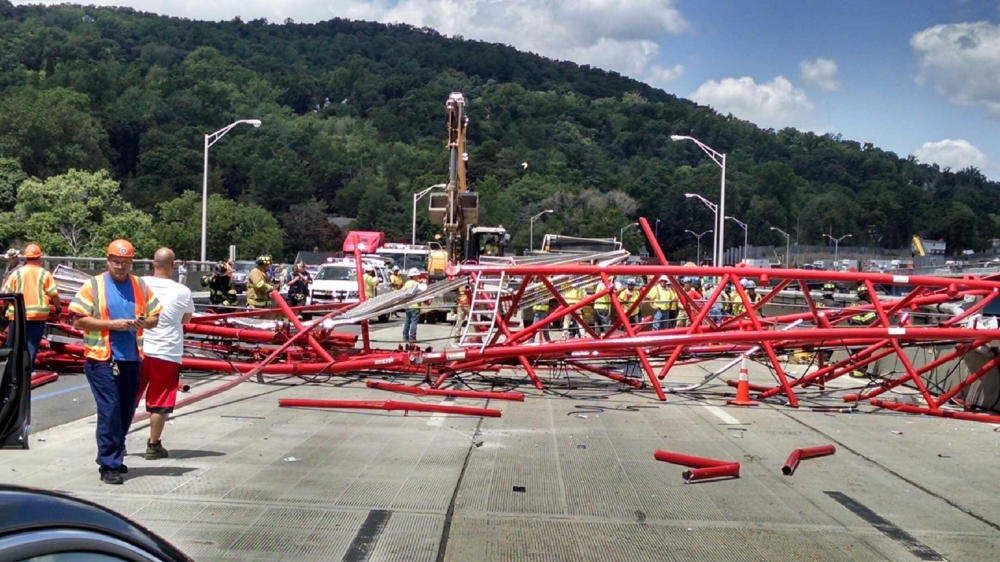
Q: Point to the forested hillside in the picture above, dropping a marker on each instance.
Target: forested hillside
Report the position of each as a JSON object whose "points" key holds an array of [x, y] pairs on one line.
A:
{"points": [[353, 123]]}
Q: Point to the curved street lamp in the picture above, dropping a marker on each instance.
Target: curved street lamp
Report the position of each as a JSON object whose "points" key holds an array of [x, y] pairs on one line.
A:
{"points": [[836, 248], [209, 141], [698, 236], [787, 244], [417, 197], [531, 228], [743, 225], [720, 159], [621, 231]]}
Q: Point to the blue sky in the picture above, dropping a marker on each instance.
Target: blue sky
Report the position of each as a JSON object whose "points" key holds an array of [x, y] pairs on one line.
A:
{"points": [[915, 77]]}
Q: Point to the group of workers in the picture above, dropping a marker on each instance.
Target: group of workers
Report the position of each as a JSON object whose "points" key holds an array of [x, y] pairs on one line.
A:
{"points": [[662, 298], [133, 340]]}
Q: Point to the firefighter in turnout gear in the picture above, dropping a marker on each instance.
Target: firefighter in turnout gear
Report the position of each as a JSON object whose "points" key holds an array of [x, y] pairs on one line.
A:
{"points": [[867, 317], [258, 286], [220, 286]]}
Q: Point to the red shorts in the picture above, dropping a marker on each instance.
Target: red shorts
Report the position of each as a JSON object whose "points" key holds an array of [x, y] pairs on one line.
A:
{"points": [[159, 378]]}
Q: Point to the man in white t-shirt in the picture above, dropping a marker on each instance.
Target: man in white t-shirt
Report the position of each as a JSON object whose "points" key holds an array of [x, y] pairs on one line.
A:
{"points": [[163, 347]]}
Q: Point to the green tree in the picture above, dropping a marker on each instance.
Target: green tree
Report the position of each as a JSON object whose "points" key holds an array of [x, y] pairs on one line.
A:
{"points": [[250, 228], [78, 213], [51, 131]]}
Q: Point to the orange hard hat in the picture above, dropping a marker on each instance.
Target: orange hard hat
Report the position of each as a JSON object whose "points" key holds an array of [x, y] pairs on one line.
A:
{"points": [[121, 248], [32, 251]]}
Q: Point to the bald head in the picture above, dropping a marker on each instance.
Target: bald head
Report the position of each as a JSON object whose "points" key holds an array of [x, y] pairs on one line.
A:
{"points": [[163, 263]]}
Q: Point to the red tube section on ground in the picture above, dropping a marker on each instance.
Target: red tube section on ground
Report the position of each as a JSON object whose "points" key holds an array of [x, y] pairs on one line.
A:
{"points": [[387, 405], [687, 460], [806, 453], [43, 377], [516, 396], [728, 470]]}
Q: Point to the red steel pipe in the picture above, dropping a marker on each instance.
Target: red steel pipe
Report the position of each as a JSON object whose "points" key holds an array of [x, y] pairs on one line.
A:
{"points": [[276, 296], [43, 377], [387, 405], [687, 460], [805, 453], [515, 396], [967, 416], [731, 469]]}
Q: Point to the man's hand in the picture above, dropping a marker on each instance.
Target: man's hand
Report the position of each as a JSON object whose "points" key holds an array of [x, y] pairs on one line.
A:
{"points": [[121, 325]]}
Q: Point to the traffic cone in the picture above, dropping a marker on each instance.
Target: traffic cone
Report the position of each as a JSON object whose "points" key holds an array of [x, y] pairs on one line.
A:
{"points": [[743, 388]]}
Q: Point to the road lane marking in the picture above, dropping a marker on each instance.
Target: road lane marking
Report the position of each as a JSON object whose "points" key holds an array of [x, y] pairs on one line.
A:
{"points": [[722, 415]]}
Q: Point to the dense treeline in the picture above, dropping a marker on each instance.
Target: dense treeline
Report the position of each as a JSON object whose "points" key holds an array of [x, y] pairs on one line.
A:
{"points": [[353, 124]]}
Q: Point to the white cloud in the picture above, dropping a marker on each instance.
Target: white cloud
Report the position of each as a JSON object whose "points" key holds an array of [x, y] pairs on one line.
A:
{"points": [[961, 62], [821, 73], [775, 104], [618, 36], [956, 154]]}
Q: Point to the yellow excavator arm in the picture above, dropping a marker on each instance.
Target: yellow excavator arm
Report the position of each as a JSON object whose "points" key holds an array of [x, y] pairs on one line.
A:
{"points": [[918, 245], [457, 208]]}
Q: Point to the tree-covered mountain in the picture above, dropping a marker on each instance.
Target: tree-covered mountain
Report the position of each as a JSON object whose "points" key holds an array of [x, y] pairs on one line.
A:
{"points": [[354, 123]]}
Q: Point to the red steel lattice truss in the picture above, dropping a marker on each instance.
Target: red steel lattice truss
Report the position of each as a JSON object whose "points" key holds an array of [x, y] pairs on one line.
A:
{"points": [[942, 314]]}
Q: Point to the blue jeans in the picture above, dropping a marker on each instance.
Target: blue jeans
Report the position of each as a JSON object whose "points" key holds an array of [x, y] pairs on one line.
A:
{"points": [[34, 330], [410, 325], [115, 396], [661, 319]]}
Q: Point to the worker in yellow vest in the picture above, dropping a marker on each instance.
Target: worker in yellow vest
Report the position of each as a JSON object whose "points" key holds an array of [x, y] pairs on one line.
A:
{"points": [[112, 309], [462, 304], [751, 289], [572, 295], [629, 296], [662, 297], [369, 281], [602, 308], [539, 312], [38, 288]]}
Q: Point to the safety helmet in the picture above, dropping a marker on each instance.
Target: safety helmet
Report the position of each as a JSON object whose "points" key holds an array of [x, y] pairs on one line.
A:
{"points": [[630, 282], [264, 259], [663, 279], [750, 285], [413, 272], [121, 248], [696, 282], [395, 268], [220, 267], [32, 251]]}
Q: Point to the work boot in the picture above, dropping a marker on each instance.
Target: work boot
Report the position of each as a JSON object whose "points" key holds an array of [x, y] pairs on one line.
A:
{"points": [[155, 451], [112, 477]]}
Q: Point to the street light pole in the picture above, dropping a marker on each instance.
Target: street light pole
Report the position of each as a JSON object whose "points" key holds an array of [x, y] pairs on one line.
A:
{"points": [[836, 248], [417, 197], [720, 159], [715, 219], [698, 236], [209, 141], [621, 231], [531, 228], [743, 225], [787, 245]]}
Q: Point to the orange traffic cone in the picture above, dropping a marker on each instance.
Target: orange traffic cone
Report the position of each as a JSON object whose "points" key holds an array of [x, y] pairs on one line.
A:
{"points": [[743, 388]]}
